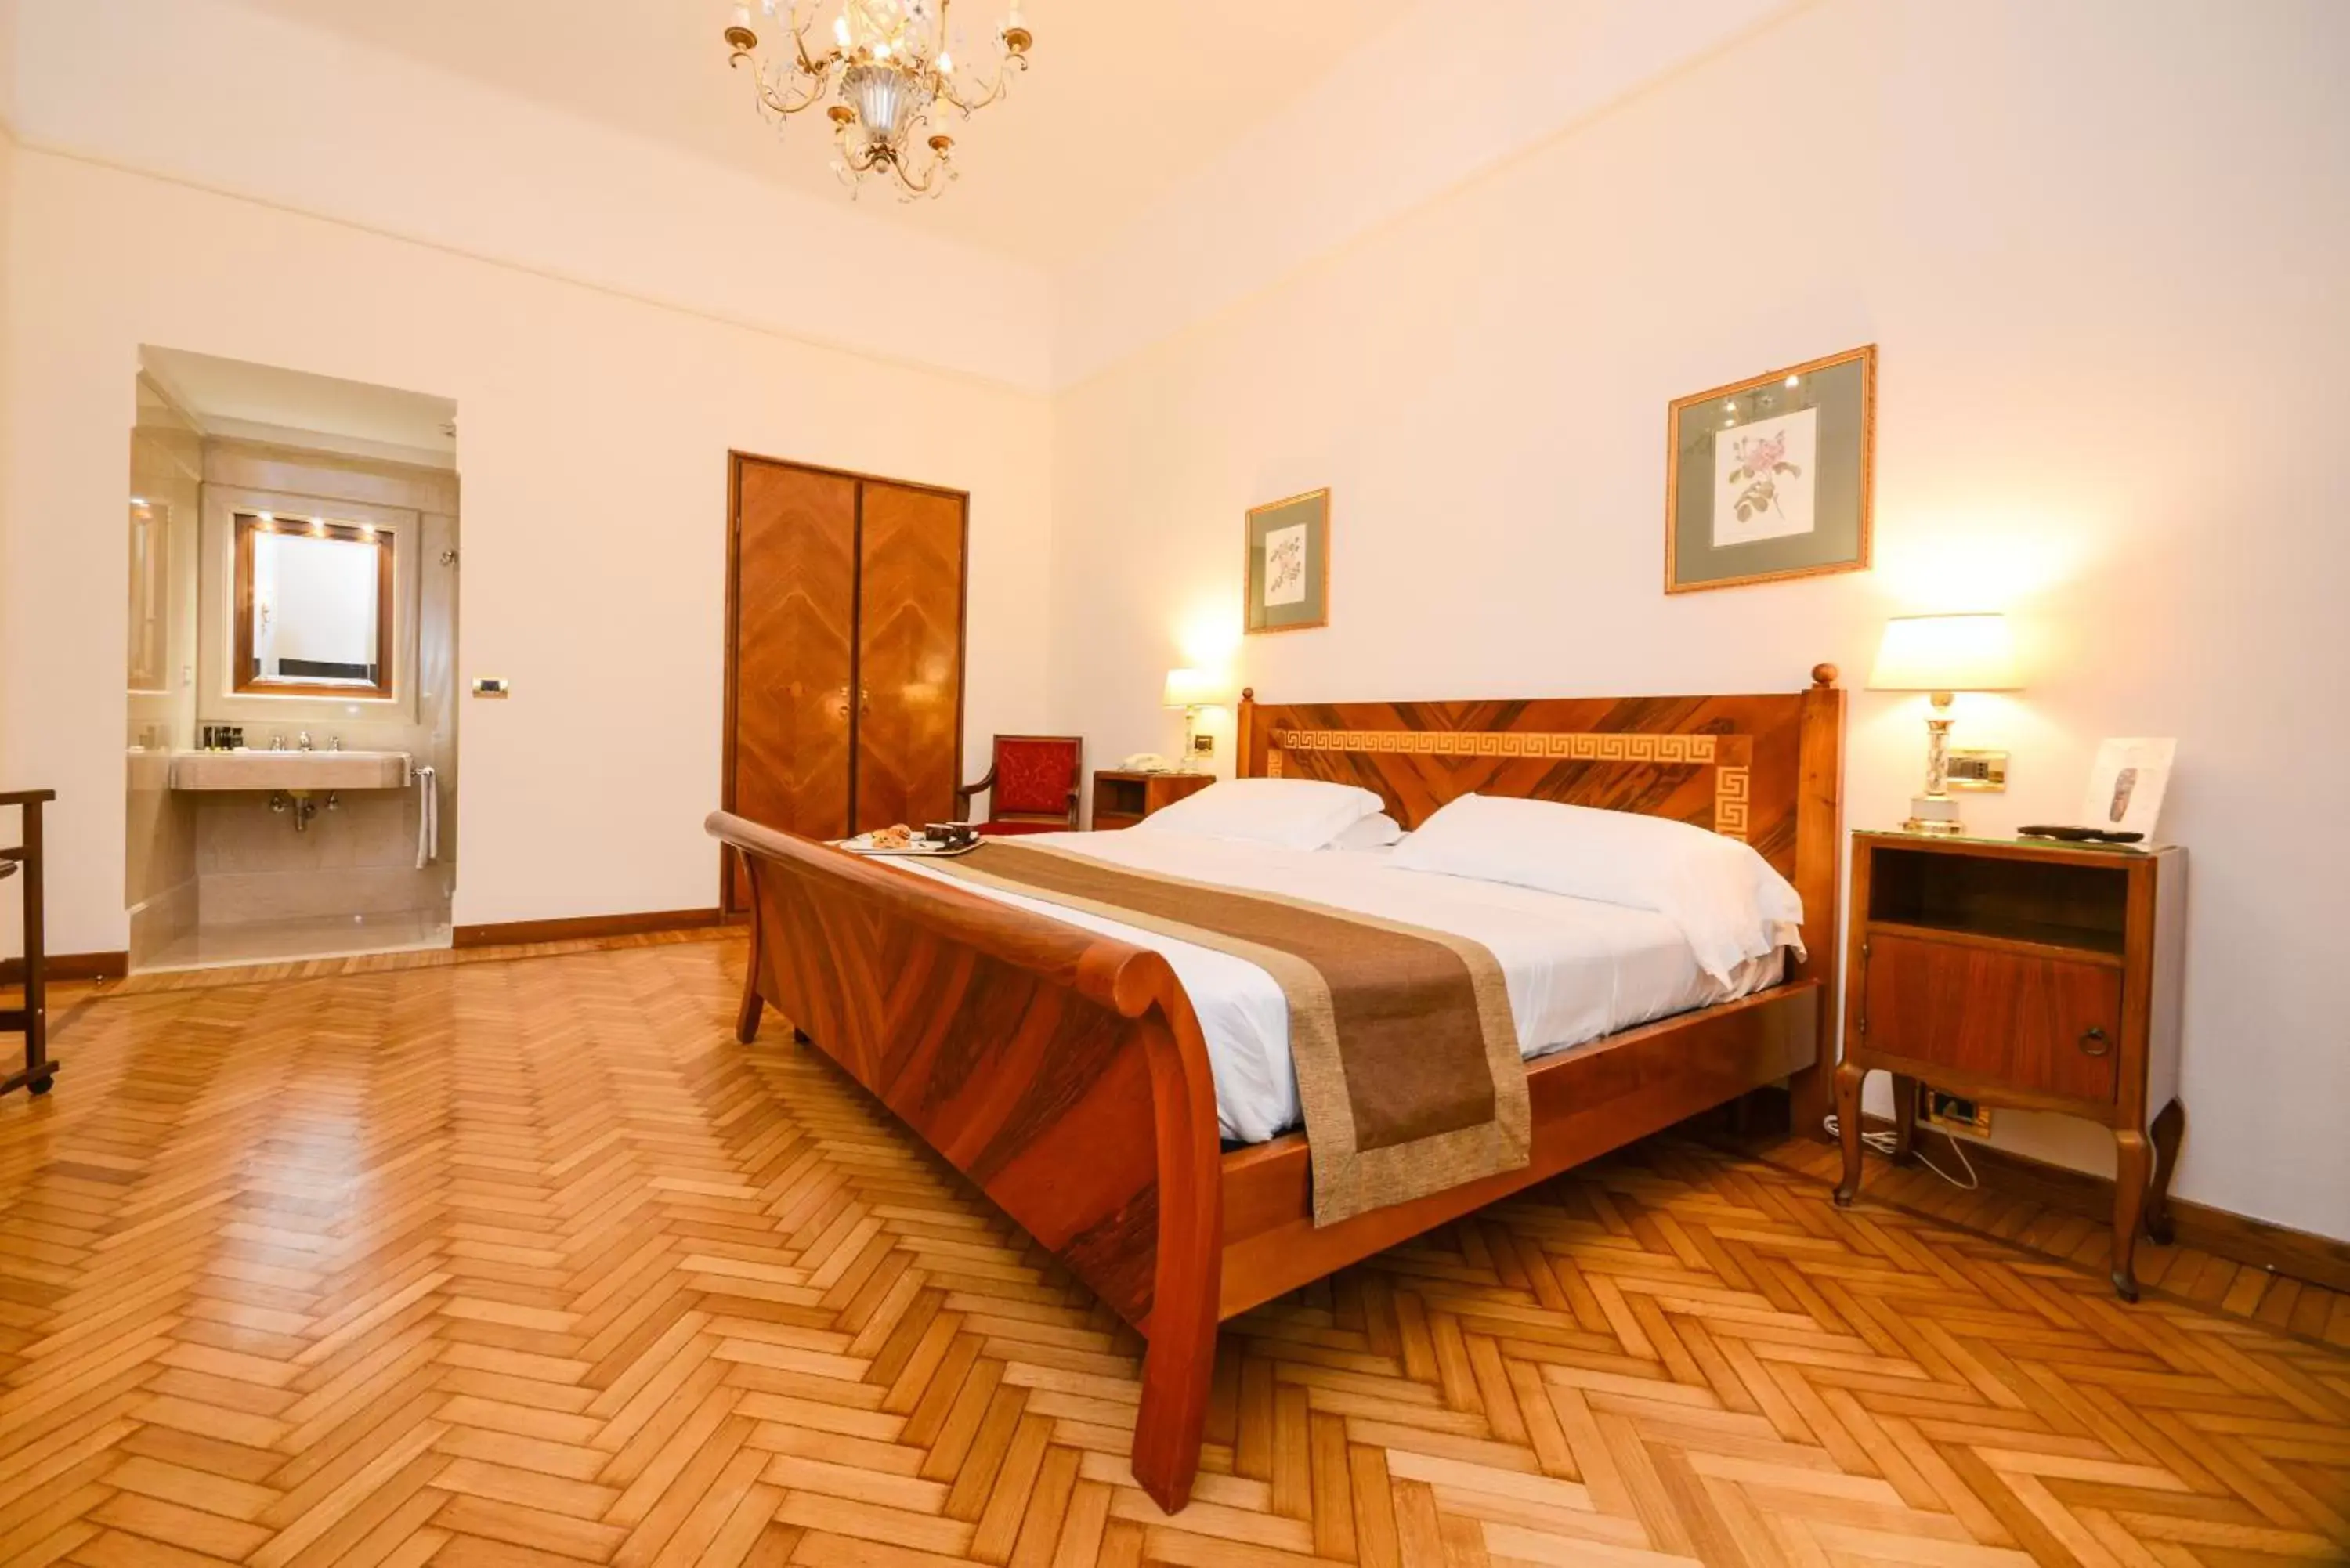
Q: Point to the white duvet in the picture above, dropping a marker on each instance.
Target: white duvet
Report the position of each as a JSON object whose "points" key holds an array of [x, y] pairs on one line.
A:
{"points": [[1575, 969]]}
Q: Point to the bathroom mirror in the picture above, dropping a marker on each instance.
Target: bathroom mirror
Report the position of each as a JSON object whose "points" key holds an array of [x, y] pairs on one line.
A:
{"points": [[312, 606]]}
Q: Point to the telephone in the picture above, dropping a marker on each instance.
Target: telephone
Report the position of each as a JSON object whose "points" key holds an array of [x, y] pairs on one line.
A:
{"points": [[1148, 763]]}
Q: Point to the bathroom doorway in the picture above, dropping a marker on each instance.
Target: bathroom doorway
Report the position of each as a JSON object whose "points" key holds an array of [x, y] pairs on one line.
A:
{"points": [[291, 780]]}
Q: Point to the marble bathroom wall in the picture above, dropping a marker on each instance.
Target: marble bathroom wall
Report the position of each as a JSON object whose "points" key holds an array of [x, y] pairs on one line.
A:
{"points": [[160, 887], [251, 887]]}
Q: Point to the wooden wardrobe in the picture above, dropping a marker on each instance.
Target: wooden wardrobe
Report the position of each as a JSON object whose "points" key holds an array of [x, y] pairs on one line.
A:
{"points": [[840, 584]]}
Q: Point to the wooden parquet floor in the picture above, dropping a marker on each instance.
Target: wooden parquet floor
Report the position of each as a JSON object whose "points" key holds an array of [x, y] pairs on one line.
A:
{"points": [[529, 1263]]}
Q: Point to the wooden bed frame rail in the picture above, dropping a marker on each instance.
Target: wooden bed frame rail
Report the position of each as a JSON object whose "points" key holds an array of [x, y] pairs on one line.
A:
{"points": [[1064, 1074]]}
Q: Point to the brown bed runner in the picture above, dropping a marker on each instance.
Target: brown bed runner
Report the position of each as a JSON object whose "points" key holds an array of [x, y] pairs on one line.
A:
{"points": [[1406, 1055]]}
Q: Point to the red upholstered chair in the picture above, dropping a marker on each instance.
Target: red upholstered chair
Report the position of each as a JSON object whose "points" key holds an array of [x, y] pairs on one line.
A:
{"points": [[1032, 786]]}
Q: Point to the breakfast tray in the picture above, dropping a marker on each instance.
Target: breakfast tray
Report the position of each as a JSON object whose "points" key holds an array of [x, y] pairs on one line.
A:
{"points": [[916, 851]]}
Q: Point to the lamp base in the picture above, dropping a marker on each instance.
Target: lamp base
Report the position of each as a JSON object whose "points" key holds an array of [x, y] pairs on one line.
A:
{"points": [[1934, 816]]}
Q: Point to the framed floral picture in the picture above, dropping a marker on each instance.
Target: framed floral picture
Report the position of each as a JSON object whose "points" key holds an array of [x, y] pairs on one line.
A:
{"points": [[1287, 574], [1770, 478]]}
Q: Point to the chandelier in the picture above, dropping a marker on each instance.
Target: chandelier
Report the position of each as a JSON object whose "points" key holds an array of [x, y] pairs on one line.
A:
{"points": [[897, 91]]}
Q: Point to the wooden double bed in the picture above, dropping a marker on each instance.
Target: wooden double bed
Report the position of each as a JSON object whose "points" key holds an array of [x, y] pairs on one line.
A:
{"points": [[1065, 1073]]}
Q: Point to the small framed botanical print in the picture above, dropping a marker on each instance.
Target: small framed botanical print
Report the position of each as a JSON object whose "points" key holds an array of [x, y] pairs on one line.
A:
{"points": [[1288, 570], [1770, 478]]}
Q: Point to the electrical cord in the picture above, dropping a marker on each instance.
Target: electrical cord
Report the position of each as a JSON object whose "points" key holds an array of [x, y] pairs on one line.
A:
{"points": [[1882, 1142]]}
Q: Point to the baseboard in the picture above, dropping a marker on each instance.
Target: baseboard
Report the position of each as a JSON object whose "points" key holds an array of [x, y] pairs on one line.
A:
{"points": [[578, 928], [70, 966], [2297, 1254]]}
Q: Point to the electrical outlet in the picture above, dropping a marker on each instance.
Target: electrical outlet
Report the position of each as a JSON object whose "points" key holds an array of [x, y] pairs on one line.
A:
{"points": [[1952, 1112]]}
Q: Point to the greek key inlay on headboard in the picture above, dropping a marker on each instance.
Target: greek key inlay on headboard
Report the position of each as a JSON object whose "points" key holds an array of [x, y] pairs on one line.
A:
{"points": [[1731, 781]]}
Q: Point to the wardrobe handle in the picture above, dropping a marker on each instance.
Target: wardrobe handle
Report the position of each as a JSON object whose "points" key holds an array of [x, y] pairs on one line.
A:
{"points": [[2095, 1043]]}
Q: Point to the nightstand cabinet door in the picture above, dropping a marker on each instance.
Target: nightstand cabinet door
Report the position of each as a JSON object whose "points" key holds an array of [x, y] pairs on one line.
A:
{"points": [[2045, 1026]]}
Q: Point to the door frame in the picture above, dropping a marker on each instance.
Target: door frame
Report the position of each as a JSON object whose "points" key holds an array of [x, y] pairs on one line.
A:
{"points": [[735, 457]]}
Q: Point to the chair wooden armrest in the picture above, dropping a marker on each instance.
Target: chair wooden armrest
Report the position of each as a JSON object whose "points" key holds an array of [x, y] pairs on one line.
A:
{"points": [[964, 792], [31, 1019]]}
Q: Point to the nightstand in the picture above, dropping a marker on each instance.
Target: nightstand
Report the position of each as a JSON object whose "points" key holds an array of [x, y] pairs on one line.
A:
{"points": [[2035, 975], [1122, 799]]}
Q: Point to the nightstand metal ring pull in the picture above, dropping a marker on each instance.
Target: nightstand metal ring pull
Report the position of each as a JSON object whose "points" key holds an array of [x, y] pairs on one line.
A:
{"points": [[2095, 1043]]}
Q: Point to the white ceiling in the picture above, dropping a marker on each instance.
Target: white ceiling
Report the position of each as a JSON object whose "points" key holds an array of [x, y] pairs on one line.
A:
{"points": [[1126, 97], [294, 407]]}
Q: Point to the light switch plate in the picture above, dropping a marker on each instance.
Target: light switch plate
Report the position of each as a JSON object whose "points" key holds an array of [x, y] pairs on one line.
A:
{"points": [[1984, 773]]}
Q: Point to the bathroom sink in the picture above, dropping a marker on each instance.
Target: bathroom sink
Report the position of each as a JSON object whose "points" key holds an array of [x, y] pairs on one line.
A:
{"points": [[289, 770]]}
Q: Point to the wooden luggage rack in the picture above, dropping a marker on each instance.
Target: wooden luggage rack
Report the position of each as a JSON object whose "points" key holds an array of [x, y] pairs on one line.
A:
{"points": [[31, 1019]]}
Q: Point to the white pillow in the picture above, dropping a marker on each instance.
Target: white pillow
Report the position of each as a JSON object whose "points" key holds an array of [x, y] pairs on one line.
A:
{"points": [[1376, 831], [1726, 898], [1289, 814]]}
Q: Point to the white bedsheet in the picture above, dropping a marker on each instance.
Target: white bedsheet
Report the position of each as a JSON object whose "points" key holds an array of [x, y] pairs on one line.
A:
{"points": [[1575, 969]]}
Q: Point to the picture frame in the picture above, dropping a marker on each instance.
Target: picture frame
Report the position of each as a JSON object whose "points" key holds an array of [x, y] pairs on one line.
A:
{"points": [[1773, 478], [2127, 783], [1286, 571]]}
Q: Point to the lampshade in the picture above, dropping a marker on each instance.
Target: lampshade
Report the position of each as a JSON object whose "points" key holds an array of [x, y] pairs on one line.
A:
{"points": [[1944, 653], [1197, 689]]}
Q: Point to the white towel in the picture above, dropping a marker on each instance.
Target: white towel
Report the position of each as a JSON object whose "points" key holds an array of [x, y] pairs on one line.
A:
{"points": [[428, 819]]}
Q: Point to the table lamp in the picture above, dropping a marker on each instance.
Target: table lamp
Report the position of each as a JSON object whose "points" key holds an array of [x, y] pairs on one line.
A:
{"points": [[1942, 654], [1192, 690]]}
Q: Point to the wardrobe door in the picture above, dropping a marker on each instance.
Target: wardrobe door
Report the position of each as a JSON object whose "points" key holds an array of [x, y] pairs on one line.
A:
{"points": [[909, 655], [793, 616]]}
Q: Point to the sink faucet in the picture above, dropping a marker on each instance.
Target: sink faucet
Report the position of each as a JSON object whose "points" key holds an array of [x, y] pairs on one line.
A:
{"points": [[303, 740], [278, 742], [334, 742]]}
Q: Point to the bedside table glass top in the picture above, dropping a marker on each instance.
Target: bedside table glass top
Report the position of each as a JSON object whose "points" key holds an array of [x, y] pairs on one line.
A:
{"points": [[2004, 841]]}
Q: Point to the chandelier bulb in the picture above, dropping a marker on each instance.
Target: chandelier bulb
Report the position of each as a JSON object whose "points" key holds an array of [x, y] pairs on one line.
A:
{"points": [[946, 61], [742, 16], [840, 29]]}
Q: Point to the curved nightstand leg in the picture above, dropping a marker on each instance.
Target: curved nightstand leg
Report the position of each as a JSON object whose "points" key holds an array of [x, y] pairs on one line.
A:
{"points": [[1848, 1077], [1905, 1117], [2169, 1127], [2132, 1160]]}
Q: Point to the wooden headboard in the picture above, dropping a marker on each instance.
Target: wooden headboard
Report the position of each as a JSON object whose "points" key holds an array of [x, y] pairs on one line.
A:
{"points": [[1765, 768], [1746, 767]]}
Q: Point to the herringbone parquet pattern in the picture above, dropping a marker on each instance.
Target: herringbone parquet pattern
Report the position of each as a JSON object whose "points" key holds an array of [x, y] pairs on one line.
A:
{"points": [[528, 1261]]}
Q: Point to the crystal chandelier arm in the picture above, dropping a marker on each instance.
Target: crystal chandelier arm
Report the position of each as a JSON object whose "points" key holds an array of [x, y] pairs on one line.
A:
{"points": [[1012, 61], [790, 88], [819, 67], [791, 99]]}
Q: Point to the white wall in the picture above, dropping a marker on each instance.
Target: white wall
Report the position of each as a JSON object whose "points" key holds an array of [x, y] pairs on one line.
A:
{"points": [[1410, 111], [2100, 245], [11, 920], [593, 453], [246, 103]]}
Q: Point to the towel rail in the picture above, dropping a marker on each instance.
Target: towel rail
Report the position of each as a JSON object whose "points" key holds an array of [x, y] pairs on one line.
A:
{"points": [[428, 816]]}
